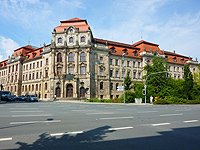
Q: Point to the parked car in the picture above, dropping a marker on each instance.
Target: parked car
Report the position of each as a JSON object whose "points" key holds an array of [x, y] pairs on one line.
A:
{"points": [[20, 98], [31, 98], [10, 98], [4, 94]]}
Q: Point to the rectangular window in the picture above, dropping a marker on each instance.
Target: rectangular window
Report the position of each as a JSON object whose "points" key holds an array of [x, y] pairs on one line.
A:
{"points": [[101, 72], [117, 73], [111, 73], [123, 73], [59, 69], [116, 62], [47, 62], [138, 64], [134, 64], [111, 86], [41, 64], [122, 63], [46, 73], [134, 75], [70, 70], [139, 75], [33, 65], [110, 61], [82, 70], [128, 63], [37, 64]]}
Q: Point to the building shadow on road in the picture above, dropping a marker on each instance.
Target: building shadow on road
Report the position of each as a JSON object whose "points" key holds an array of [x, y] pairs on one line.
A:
{"points": [[177, 139]]}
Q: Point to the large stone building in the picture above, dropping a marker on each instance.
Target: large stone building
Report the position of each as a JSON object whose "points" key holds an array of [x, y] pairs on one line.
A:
{"points": [[76, 62]]}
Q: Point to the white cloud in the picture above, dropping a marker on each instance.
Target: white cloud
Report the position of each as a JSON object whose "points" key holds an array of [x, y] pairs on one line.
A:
{"points": [[7, 47]]}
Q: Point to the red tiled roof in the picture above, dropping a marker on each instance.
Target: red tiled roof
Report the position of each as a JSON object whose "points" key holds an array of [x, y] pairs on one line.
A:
{"points": [[76, 22]]}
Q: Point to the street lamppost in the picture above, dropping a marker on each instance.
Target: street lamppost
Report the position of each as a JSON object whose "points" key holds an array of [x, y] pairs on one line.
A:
{"points": [[123, 73], [145, 86]]}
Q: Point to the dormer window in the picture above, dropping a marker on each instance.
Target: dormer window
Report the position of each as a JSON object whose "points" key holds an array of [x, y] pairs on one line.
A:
{"points": [[71, 30], [59, 40], [82, 39], [174, 59], [71, 39], [135, 53], [182, 60], [125, 51], [113, 49]]}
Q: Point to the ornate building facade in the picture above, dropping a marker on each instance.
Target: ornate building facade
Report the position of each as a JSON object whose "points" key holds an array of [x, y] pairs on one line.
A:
{"points": [[76, 65]]}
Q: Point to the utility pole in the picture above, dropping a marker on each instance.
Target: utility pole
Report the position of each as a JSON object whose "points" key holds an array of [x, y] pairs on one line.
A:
{"points": [[123, 76]]}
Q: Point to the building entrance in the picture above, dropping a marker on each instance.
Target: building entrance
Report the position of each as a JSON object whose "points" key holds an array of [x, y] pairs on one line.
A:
{"points": [[82, 92], [69, 90]]}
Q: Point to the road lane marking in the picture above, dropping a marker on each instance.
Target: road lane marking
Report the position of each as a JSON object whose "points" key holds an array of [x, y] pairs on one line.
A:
{"points": [[189, 121], [84, 110], [183, 110], [45, 115], [23, 108], [160, 124], [32, 122], [116, 118], [171, 115], [25, 111], [120, 128], [103, 113], [6, 139], [126, 109], [66, 133], [147, 111], [44, 106]]}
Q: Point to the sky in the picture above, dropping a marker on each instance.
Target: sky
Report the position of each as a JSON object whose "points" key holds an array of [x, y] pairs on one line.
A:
{"points": [[173, 24]]}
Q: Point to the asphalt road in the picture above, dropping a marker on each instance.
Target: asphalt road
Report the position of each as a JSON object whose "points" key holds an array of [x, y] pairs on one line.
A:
{"points": [[71, 126]]}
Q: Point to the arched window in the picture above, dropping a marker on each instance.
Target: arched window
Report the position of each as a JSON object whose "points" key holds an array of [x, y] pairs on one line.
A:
{"points": [[71, 57], [101, 85], [59, 40], [59, 57], [71, 39], [82, 56], [117, 84], [45, 86], [82, 39], [101, 60], [58, 92]]}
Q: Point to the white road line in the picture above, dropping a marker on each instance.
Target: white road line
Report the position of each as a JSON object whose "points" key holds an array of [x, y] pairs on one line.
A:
{"points": [[147, 111], [126, 109], [103, 113], [66, 133], [84, 110], [23, 108], [117, 118], [120, 128], [25, 111], [31, 122], [189, 121], [6, 139], [160, 124], [45, 115], [171, 115], [44, 106], [183, 110]]}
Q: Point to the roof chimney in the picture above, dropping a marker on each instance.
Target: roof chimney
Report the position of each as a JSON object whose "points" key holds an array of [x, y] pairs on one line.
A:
{"points": [[174, 51]]}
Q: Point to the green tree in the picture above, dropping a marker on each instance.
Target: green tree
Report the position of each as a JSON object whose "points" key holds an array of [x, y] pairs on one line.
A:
{"points": [[127, 82], [197, 75], [156, 83], [189, 82]]}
